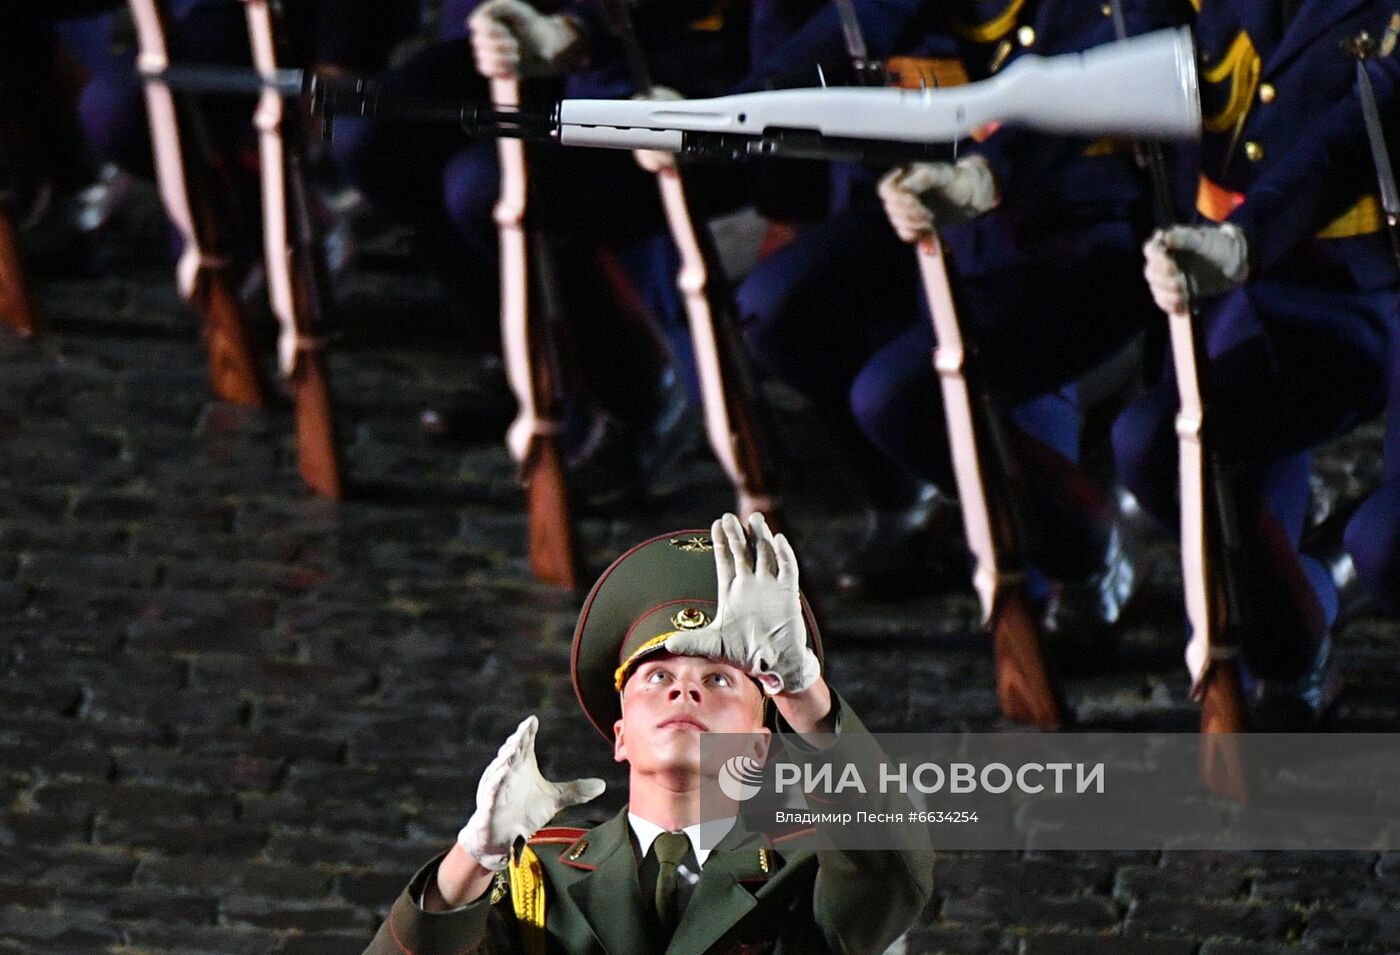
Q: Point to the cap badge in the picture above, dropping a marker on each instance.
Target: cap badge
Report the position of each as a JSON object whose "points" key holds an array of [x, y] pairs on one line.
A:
{"points": [[690, 618]]}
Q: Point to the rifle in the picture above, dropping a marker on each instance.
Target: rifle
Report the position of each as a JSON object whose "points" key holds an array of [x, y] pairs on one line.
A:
{"points": [[1212, 557], [736, 414], [295, 268], [528, 324], [987, 472], [1143, 87], [17, 308], [203, 274]]}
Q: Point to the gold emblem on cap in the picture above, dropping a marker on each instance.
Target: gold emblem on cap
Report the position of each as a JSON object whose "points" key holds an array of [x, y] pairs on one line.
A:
{"points": [[693, 544], [579, 849], [690, 618]]}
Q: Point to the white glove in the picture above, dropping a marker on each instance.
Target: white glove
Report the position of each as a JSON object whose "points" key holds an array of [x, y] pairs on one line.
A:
{"points": [[923, 194], [513, 799], [758, 624], [1194, 260], [655, 160], [511, 39]]}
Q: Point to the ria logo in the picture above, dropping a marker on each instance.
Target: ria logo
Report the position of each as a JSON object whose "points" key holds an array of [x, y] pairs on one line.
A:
{"points": [[740, 777]]}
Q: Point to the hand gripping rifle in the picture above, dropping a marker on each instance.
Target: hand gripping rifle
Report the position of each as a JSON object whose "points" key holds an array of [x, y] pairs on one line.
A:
{"points": [[296, 275], [1212, 552], [736, 414], [182, 174], [530, 323]]}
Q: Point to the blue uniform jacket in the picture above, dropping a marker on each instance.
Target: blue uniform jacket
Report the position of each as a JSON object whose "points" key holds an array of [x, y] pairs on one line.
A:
{"points": [[1264, 87], [1323, 174]]}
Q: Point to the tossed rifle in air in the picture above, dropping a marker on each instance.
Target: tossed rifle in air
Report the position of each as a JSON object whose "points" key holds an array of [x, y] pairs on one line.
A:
{"points": [[736, 413], [988, 473], [531, 327], [296, 269], [1213, 559], [1143, 87], [183, 175]]}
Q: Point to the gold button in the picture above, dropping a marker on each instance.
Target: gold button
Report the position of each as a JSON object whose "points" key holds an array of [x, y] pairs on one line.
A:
{"points": [[1025, 35], [1267, 93], [1254, 151], [1107, 9]]}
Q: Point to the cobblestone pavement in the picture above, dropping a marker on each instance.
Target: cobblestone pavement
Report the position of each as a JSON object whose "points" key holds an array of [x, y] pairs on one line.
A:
{"points": [[236, 718]]}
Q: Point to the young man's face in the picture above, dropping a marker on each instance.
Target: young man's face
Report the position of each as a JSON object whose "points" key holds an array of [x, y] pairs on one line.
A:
{"points": [[668, 701]]}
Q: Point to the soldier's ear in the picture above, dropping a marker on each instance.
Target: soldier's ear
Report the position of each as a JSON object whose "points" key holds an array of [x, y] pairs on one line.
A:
{"points": [[619, 744], [762, 739]]}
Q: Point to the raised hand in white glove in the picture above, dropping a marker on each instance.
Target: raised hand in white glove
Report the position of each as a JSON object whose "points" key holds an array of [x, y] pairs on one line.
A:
{"points": [[655, 160], [921, 195], [513, 799], [511, 39], [1194, 260], [758, 623]]}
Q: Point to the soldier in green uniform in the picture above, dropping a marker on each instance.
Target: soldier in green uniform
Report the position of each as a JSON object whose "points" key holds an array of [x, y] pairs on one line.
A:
{"points": [[682, 635]]}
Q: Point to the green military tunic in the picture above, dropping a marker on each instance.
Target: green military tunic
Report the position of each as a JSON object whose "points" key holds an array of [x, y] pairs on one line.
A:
{"points": [[753, 896]]}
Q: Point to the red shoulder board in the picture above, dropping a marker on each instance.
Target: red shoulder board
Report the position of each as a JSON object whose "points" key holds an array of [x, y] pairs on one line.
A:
{"points": [[556, 834]]}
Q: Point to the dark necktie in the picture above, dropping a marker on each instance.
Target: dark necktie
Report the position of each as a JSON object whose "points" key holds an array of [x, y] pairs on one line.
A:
{"points": [[670, 848]]}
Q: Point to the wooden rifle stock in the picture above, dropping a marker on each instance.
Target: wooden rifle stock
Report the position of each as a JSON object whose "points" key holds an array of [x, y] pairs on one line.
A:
{"points": [[737, 419], [983, 463], [532, 364], [1212, 599], [295, 270], [17, 308], [736, 413], [183, 169]]}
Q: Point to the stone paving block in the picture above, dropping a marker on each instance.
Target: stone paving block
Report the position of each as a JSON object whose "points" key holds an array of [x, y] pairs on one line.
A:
{"points": [[1344, 927], [1079, 944], [25, 896], [128, 904], [323, 943], [964, 874], [259, 911], [311, 848], [57, 931], [1249, 921], [222, 876], [160, 936], [1148, 882], [102, 570], [1011, 908], [942, 940], [186, 708], [212, 774], [267, 678], [81, 798], [376, 890], [382, 817], [172, 837]]}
